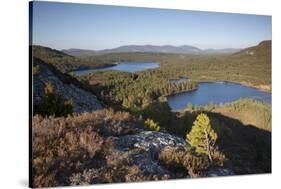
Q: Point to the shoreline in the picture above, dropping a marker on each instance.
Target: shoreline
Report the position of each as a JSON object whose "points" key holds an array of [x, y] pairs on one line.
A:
{"points": [[210, 81], [261, 87], [245, 84], [185, 91], [106, 66], [94, 67], [218, 81]]}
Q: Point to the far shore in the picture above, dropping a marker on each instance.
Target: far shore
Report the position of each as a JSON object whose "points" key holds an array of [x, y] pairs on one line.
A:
{"points": [[264, 88], [94, 67]]}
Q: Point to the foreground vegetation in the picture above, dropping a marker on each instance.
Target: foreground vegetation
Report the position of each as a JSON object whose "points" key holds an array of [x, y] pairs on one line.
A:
{"points": [[53, 103], [79, 150], [244, 132], [75, 149]]}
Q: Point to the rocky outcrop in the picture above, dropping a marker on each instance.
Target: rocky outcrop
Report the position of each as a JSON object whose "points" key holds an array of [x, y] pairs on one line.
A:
{"points": [[149, 141], [144, 147], [82, 100], [219, 172]]}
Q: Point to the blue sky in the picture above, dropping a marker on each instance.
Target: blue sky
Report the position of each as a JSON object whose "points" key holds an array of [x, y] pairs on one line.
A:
{"points": [[69, 25]]}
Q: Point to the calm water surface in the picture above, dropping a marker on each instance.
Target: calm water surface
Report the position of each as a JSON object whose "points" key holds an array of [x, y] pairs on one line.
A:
{"points": [[216, 92], [128, 66]]}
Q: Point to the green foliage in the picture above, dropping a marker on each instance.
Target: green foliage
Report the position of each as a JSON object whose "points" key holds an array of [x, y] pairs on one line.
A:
{"points": [[152, 125], [134, 91], [244, 134], [202, 136], [35, 70], [160, 112], [53, 103], [251, 111]]}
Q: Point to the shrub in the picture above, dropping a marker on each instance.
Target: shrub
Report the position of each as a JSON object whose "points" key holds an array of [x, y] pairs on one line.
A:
{"points": [[218, 158], [121, 168], [83, 178], [159, 112], [91, 141], [60, 149], [74, 150], [53, 103], [35, 70], [179, 160], [118, 168], [152, 125]]}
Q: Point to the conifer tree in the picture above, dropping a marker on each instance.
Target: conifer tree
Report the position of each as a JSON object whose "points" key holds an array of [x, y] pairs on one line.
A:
{"points": [[152, 125], [202, 136], [54, 103]]}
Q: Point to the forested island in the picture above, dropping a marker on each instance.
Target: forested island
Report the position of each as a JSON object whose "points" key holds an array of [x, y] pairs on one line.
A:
{"points": [[115, 126]]}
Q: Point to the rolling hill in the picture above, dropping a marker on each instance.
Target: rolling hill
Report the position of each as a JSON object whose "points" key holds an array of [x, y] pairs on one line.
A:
{"points": [[262, 49], [184, 49], [65, 62]]}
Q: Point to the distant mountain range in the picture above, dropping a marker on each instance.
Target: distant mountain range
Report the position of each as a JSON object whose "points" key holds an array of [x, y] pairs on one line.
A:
{"points": [[184, 49]]}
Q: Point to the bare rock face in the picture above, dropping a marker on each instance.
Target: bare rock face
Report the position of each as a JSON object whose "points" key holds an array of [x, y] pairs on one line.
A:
{"points": [[219, 172], [150, 141], [148, 164], [82, 100], [144, 148]]}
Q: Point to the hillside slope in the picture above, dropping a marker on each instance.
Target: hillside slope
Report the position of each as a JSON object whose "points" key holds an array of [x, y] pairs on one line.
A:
{"points": [[64, 62], [82, 100], [106, 146], [263, 49], [41, 51]]}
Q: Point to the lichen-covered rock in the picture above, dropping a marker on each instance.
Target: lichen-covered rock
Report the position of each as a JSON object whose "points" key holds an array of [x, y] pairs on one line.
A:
{"points": [[219, 172], [147, 164], [82, 100], [149, 144], [150, 141], [144, 148]]}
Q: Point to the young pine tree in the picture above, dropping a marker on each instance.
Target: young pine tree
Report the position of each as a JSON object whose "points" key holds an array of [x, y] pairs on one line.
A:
{"points": [[54, 103], [202, 136], [152, 125]]}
